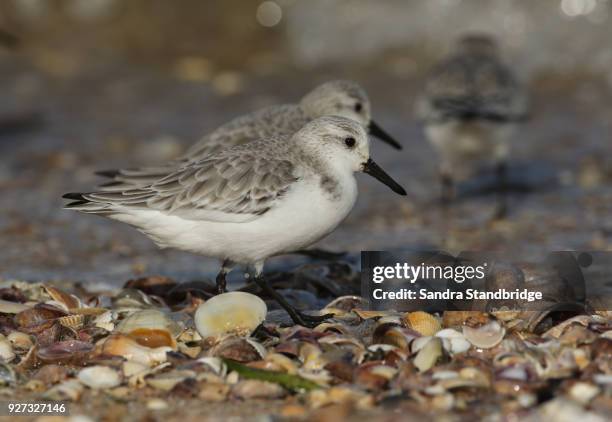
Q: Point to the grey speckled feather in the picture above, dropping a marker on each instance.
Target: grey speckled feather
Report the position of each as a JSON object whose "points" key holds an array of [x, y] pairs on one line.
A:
{"points": [[246, 179]]}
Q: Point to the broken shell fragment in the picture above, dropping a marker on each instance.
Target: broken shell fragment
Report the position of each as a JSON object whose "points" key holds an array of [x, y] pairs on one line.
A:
{"points": [[233, 312], [99, 377], [453, 341], [422, 322], [429, 354], [20, 341], [6, 350], [485, 336]]}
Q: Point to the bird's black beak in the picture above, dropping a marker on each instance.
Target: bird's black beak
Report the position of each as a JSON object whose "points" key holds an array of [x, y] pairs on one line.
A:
{"points": [[378, 132], [371, 168]]}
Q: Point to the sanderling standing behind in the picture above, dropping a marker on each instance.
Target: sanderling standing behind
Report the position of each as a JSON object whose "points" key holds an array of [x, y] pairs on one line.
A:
{"points": [[337, 98], [253, 201], [470, 108]]}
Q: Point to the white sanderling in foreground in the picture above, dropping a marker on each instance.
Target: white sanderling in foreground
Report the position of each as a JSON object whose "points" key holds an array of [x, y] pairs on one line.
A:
{"points": [[253, 201], [337, 98], [470, 109]]}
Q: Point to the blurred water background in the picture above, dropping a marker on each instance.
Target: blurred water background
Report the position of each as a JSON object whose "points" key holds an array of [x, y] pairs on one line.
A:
{"points": [[99, 84]]}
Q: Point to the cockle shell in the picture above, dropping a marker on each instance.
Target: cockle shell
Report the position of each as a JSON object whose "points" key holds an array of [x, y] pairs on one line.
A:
{"points": [[233, 312], [423, 323]]}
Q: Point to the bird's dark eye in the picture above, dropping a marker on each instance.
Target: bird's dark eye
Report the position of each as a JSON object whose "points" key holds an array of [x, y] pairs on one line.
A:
{"points": [[358, 107], [350, 142]]}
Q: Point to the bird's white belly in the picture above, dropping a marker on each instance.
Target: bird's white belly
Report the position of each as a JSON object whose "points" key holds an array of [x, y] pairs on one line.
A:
{"points": [[303, 216]]}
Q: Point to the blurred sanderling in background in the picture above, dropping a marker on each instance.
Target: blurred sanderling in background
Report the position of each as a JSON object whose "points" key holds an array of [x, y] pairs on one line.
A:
{"points": [[470, 109]]}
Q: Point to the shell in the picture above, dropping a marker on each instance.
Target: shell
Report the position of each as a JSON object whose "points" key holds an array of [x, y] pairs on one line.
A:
{"points": [[233, 312], [168, 380], [453, 341], [459, 318], [20, 341], [256, 389], [238, 349], [428, 355], [99, 377], [65, 300], [68, 390], [395, 335], [105, 321], [423, 323], [153, 338], [72, 321], [6, 350], [7, 307], [485, 336], [149, 319], [122, 345], [65, 352]]}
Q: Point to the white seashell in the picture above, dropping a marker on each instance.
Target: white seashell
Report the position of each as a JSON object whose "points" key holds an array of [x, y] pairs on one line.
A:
{"points": [[149, 318], [584, 392], [419, 343], [6, 350], [130, 368], [429, 354], [485, 336], [105, 321], [444, 375], [99, 377], [233, 312], [168, 380], [7, 307], [453, 341]]}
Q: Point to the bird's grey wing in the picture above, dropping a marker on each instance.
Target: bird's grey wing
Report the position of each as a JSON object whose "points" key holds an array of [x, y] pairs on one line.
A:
{"points": [[273, 121], [270, 122], [467, 88], [235, 185]]}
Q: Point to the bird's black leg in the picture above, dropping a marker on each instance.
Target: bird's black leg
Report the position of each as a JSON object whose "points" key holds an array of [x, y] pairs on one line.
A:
{"points": [[502, 189], [297, 316], [226, 267]]}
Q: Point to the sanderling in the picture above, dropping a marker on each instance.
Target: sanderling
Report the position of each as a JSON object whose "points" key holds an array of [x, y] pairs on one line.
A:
{"points": [[247, 203], [470, 108], [338, 98]]}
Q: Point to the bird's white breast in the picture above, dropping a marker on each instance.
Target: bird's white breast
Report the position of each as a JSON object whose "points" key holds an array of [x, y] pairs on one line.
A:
{"points": [[302, 216]]}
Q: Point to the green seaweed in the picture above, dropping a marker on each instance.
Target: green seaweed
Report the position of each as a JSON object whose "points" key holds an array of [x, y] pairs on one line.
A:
{"points": [[293, 383]]}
